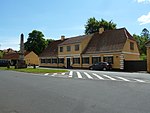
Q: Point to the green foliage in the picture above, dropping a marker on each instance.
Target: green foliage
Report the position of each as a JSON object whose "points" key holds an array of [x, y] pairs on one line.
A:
{"points": [[141, 40], [1, 54], [145, 33], [48, 41], [35, 42], [143, 57], [93, 25], [31, 70]]}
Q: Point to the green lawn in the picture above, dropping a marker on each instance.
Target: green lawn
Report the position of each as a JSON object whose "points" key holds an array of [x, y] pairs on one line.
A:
{"points": [[31, 70]]}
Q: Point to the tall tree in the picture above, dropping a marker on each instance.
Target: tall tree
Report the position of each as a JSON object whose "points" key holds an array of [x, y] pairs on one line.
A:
{"points": [[141, 40], [35, 42], [93, 25], [145, 33]]}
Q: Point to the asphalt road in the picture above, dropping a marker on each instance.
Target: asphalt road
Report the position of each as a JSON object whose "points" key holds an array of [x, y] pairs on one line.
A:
{"points": [[31, 93]]}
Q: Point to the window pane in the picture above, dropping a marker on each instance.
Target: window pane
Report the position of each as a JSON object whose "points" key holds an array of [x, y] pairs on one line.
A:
{"points": [[76, 60], [61, 49], [76, 47], [96, 59], [43, 61], [85, 60], [131, 46], [54, 60], [109, 59], [48, 60], [61, 60], [68, 48]]}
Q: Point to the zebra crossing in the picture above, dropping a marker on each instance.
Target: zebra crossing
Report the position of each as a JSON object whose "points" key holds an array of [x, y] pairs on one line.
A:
{"points": [[94, 76]]}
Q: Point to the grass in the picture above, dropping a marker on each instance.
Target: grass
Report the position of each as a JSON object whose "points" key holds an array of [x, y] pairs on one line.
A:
{"points": [[31, 70]]}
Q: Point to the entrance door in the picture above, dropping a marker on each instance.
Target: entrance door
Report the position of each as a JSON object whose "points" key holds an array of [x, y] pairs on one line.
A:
{"points": [[68, 62]]}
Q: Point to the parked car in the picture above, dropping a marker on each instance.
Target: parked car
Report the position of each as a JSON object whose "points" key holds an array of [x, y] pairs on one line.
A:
{"points": [[4, 63], [101, 66]]}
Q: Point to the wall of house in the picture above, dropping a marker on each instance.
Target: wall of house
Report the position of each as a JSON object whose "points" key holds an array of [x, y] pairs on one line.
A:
{"points": [[131, 54], [48, 65], [72, 51], [32, 58], [148, 59]]}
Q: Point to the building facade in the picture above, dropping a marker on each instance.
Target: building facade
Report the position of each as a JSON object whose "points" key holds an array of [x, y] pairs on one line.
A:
{"points": [[30, 58], [113, 46]]}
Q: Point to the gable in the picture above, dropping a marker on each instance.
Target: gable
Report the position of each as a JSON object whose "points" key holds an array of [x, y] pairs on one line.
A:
{"points": [[147, 44]]}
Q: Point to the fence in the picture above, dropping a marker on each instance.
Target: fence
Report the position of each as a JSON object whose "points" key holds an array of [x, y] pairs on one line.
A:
{"points": [[134, 66]]}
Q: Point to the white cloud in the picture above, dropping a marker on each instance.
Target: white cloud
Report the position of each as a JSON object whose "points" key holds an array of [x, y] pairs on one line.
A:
{"points": [[143, 1], [144, 19]]}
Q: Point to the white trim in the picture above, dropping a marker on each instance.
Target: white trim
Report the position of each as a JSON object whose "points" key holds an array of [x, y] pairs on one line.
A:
{"points": [[96, 56], [85, 56], [76, 56], [69, 55], [60, 57], [108, 55], [130, 53]]}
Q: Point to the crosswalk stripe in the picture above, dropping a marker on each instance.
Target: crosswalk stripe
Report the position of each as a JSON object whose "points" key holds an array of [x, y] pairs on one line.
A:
{"points": [[98, 76], [70, 73], [123, 79], [139, 80], [89, 76], [46, 73], [54, 74], [109, 77], [79, 75], [63, 73]]}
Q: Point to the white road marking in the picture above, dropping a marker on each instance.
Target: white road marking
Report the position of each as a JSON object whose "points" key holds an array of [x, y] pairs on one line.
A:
{"points": [[123, 79], [98, 76], [139, 80], [70, 73], [79, 75], [54, 74], [109, 77], [46, 73], [63, 73], [89, 76]]}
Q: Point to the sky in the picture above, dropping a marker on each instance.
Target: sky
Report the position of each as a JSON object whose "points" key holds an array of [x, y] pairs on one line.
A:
{"points": [[67, 17]]}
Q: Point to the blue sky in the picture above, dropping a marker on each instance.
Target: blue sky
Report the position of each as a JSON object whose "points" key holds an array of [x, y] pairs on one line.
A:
{"points": [[67, 17]]}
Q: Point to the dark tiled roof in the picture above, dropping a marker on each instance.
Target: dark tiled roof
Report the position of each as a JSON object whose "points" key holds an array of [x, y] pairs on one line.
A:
{"points": [[14, 56], [108, 41], [73, 40], [52, 49]]}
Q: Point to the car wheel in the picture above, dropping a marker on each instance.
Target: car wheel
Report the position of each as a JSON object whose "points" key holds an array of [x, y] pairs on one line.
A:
{"points": [[104, 69]]}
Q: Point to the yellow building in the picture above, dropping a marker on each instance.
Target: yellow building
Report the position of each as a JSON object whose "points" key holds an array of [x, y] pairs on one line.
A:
{"points": [[148, 56], [30, 57], [113, 46]]}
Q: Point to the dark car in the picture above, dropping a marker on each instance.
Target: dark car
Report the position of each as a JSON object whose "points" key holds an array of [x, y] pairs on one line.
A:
{"points": [[101, 66], [4, 63]]}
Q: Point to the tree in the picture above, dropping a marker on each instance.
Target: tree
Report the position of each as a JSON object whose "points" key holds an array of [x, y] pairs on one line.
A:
{"points": [[93, 25], [48, 41], [35, 42], [145, 33], [141, 40]]}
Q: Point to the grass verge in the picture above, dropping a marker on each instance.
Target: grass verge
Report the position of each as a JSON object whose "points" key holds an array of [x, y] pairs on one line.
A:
{"points": [[31, 70]]}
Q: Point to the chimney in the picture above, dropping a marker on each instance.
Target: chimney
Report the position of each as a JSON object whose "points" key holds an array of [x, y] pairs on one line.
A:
{"points": [[62, 37], [101, 30]]}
